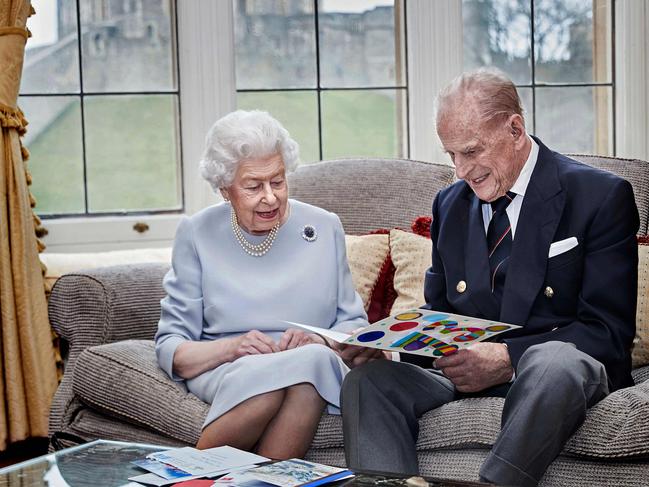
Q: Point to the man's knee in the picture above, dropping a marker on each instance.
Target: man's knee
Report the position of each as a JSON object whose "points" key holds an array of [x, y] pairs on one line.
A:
{"points": [[561, 362], [376, 372]]}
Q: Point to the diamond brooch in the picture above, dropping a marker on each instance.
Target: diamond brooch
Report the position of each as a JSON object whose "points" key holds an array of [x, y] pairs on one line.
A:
{"points": [[308, 233]]}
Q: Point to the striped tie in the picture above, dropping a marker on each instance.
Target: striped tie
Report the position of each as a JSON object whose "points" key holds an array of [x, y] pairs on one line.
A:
{"points": [[499, 243]]}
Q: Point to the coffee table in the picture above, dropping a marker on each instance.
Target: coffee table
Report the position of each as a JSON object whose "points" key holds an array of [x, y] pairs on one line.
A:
{"points": [[104, 463]]}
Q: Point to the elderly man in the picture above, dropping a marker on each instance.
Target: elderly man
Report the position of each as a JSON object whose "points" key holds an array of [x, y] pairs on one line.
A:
{"points": [[528, 236]]}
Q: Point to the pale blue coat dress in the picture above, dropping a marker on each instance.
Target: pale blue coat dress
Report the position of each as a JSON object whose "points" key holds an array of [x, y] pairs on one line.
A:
{"points": [[216, 290]]}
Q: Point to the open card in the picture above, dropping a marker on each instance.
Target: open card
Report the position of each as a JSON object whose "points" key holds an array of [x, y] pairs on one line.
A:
{"points": [[419, 331]]}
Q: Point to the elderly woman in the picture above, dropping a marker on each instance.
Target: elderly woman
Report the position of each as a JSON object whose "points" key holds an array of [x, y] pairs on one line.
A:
{"points": [[240, 271]]}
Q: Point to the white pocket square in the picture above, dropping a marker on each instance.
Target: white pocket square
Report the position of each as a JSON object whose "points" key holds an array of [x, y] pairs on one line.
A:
{"points": [[562, 246]]}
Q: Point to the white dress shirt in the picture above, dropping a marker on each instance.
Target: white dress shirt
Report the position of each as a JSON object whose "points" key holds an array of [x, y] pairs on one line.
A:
{"points": [[514, 208], [520, 186]]}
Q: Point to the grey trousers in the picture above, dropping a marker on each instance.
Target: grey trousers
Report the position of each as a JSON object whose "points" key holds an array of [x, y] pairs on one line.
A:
{"points": [[555, 385]]}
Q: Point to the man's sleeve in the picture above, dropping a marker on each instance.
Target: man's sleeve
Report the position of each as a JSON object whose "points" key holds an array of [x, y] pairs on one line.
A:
{"points": [[605, 317], [434, 287], [435, 280]]}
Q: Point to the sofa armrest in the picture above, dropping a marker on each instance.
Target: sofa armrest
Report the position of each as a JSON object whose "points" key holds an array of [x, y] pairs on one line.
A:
{"points": [[641, 374], [106, 305]]}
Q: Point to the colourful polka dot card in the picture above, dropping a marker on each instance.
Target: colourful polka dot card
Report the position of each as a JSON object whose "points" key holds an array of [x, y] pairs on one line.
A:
{"points": [[421, 332]]}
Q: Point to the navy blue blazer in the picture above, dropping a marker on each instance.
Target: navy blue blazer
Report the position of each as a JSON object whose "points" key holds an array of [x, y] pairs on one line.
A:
{"points": [[594, 284]]}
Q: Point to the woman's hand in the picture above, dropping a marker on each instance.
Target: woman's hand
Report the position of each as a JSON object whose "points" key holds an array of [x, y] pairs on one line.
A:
{"points": [[294, 337], [253, 343]]}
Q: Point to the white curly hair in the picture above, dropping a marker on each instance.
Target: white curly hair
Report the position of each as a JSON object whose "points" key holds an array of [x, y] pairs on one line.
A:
{"points": [[243, 135]]}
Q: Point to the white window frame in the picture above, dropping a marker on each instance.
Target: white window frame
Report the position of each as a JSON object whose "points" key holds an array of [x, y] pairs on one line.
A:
{"points": [[208, 91]]}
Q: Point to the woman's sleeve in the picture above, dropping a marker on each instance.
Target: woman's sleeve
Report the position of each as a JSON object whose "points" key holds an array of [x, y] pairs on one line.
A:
{"points": [[350, 313], [181, 316]]}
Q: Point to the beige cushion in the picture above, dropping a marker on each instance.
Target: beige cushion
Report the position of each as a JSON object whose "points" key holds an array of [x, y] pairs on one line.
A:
{"points": [[411, 256], [366, 255], [641, 343]]}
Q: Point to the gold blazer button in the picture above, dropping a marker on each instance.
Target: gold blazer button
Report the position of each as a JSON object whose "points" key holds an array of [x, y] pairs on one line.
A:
{"points": [[461, 287], [549, 292]]}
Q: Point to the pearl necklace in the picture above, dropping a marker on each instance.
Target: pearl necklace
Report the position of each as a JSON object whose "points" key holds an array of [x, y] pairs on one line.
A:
{"points": [[256, 250]]}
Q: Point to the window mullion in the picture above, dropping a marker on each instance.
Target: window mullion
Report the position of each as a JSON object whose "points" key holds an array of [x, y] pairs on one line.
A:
{"points": [[434, 58], [208, 90]]}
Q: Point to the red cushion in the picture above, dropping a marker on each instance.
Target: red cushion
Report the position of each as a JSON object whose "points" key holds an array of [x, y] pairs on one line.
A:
{"points": [[383, 294], [421, 225]]}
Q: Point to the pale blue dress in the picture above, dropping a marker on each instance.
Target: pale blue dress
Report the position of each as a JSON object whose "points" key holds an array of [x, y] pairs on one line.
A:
{"points": [[216, 290]]}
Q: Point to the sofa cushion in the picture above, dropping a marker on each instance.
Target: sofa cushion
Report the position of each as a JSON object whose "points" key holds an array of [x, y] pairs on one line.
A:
{"points": [[370, 193], [411, 255], [617, 427], [366, 255], [123, 379]]}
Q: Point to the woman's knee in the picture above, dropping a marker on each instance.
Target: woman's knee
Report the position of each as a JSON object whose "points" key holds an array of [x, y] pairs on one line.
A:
{"points": [[270, 400], [304, 390], [320, 353]]}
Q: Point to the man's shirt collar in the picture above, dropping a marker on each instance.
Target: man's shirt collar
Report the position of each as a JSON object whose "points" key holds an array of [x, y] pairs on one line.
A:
{"points": [[520, 186]]}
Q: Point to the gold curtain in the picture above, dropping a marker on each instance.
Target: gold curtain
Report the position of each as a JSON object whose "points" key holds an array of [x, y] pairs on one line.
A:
{"points": [[27, 368]]}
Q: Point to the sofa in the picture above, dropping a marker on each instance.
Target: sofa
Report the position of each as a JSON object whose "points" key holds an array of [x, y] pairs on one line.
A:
{"points": [[112, 387]]}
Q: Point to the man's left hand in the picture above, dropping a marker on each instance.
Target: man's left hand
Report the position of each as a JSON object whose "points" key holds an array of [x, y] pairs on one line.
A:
{"points": [[354, 355], [478, 367], [294, 337]]}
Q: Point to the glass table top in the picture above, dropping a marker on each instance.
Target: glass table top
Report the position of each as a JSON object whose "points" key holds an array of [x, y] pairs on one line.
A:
{"points": [[107, 464], [98, 463]]}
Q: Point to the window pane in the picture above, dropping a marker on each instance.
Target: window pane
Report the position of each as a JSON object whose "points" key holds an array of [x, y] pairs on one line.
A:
{"points": [[132, 153], [363, 123], [52, 53], [497, 33], [127, 46], [590, 132], [56, 161], [275, 44], [572, 40], [296, 110], [357, 44], [528, 112]]}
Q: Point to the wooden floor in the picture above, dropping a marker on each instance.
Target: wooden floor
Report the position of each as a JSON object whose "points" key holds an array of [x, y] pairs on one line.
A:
{"points": [[23, 450]]}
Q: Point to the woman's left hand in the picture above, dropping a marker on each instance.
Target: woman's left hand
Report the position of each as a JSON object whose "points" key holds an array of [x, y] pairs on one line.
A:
{"points": [[294, 337]]}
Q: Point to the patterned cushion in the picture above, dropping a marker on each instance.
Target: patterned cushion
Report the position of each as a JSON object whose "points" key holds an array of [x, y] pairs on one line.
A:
{"points": [[366, 256], [641, 343], [411, 255]]}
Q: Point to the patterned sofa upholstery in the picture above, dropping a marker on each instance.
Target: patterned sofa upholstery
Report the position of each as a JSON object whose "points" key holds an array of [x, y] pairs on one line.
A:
{"points": [[112, 387]]}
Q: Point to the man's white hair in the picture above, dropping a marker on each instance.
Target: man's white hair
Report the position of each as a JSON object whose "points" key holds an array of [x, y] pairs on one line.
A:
{"points": [[243, 135], [493, 92]]}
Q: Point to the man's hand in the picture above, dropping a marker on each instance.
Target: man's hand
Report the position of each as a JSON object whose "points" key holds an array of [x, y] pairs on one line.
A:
{"points": [[354, 355], [252, 343], [478, 367], [294, 337]]}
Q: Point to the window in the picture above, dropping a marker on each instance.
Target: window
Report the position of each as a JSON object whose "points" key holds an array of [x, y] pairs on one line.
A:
{"points": [[333, 72], [75, 99], [559, 53], [100, 90]]}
